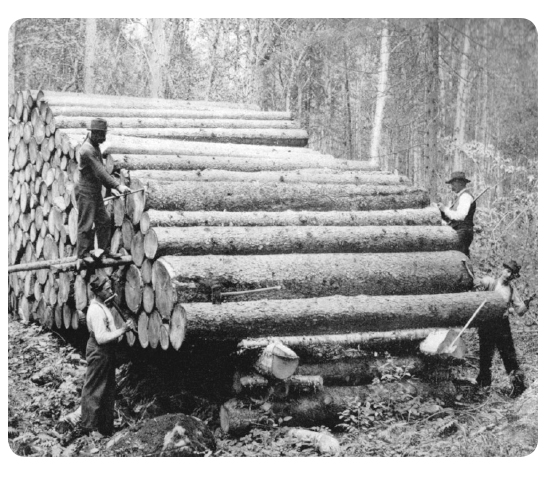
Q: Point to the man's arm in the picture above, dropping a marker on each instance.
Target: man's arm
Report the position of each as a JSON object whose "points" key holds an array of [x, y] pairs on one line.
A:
{"points": [[486, 282], [518, 305], [464, 203], [97, 316]]}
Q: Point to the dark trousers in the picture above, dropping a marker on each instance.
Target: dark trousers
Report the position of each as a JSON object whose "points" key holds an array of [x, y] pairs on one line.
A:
{"points": [[91, 211], [466, 237], [98, 395], [496, 334]]}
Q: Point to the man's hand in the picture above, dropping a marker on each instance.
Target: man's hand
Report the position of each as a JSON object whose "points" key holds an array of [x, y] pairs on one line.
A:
{"points": [[123, 189], [441, 206], [129, 325]]}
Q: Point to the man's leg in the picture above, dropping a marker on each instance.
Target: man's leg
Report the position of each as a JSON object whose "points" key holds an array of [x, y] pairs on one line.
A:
{"points": [[508, 354], [103, 226], [86, 217], [487, 341], [466, 237]]}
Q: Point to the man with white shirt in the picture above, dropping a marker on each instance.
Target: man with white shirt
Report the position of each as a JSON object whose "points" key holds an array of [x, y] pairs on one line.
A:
{"points": [[459, 214], [98, 395]]}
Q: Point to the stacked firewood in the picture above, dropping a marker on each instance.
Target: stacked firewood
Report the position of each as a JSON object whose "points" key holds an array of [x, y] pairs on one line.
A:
{"points": [[228, 200]]}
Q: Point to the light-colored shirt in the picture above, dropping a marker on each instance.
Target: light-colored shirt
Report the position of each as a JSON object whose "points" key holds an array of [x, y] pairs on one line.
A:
{"points": [[508, 292], [101, 322], [464, 200]]}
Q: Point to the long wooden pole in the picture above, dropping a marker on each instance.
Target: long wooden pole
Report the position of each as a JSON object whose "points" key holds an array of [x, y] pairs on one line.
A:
{"points": [[68, 263]]}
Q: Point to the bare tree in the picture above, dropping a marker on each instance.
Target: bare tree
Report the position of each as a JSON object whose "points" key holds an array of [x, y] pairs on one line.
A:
{"points": [[89, 55]]}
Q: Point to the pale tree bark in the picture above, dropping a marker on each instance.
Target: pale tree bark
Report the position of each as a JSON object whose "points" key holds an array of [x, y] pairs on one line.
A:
{"points": [[11, 60], [432, 107], [159, 57], [461, 102], [481, 133], [213, 58], [89, 57], [348, 112], [381, 94]]}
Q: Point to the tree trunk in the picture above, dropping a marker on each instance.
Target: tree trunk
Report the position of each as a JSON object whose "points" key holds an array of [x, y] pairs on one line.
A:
{"points": [[142, 122], [265, 137], [237, 196], [312, 275], [89, 55], [411, 217], [295, 239], [11, 61], [244, 164], [432, 107], [336, 314], [463, 85], [196, 112], [159, 57], [374, 151], [318, 176], [55, 98], [323, 408]]}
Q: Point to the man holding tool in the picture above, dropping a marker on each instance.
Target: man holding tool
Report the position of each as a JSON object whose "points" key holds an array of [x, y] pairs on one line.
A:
{"points": [[497, 333], [93, 176], [459, 214], [98, 394]]}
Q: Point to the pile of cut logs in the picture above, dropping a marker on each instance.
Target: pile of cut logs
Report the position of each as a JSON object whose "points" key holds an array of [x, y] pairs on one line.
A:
{"points": [[229, 199]]}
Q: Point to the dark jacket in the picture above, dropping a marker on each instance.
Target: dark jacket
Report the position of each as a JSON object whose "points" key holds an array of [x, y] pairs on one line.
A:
{"points": [[93, 174]]}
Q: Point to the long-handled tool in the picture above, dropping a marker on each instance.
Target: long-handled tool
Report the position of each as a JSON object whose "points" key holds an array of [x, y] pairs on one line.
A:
{"points": [[218, 295], [123, 195], [110, 301], [450, 348]]}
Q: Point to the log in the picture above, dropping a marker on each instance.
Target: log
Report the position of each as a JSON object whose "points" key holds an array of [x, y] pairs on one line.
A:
{"points": [[158, 121], [133, 288], [336, 314], [148, 298], [319, 176], [180, 162], [312, 275], [171, 218], [135, 145], [321, 441], [365, 340], [262, 136], [55, 98], [154, 327], [164, 337], [143, 321], [323, 408], [277, 361], [237, 196], [254, 383], [289, 239], [178, 326], [359, 371]]}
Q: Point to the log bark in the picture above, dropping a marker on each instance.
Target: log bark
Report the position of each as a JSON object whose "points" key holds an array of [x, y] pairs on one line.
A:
{"points": [[319, 176], [237, 196], [264, 137], [311, 239], [134, 145], [159, 121], [255, 384], [336, 314], [312, 275], [271, 162], [55, 98], [172, 218], [324, 408], [123, 114]]}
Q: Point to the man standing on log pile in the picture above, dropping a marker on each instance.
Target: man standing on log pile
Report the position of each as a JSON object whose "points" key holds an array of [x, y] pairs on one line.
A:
{"points": [[459, 214], [98, 394], [93, 176], [497, 333]]}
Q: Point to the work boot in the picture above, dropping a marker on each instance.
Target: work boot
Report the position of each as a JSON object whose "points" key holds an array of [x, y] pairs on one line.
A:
{"points": [[519, 386]]}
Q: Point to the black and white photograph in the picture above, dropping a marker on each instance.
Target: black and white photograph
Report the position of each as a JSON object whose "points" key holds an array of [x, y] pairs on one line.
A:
{"points": [[273, 237]]}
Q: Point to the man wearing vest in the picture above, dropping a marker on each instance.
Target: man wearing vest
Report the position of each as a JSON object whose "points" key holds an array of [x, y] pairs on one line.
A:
{"points": [[93, 176], [459, 214], [497, 333], [98, 394]]}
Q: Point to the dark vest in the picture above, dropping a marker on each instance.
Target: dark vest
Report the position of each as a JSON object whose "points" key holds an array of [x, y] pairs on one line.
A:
{"points": [[467, 223]]}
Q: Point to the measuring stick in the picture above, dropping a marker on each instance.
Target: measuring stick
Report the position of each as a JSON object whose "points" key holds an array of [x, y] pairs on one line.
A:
{"points": [[451, 346]]}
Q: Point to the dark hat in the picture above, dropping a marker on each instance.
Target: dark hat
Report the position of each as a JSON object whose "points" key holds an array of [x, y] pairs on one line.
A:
{"points": [[98, 124], [514, 267], [458, 176], [98, 282]]}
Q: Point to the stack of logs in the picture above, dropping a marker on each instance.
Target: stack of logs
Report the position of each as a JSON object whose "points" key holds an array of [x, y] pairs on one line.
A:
{"points": [[232, 199]]}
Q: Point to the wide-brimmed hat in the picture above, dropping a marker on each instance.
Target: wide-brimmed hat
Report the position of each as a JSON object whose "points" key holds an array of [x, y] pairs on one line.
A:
{"points": [[514, 267], [98, 124], [97, 283], [458, 176]]}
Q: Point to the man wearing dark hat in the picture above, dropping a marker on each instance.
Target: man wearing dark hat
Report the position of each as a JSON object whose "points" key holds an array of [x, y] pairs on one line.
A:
{"points": [[497, 333], [459, 214], [93, 176], [98, 395]]}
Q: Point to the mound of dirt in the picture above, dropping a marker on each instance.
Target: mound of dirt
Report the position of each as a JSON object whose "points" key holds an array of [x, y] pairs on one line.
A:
{"points": [[170, 435]]}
